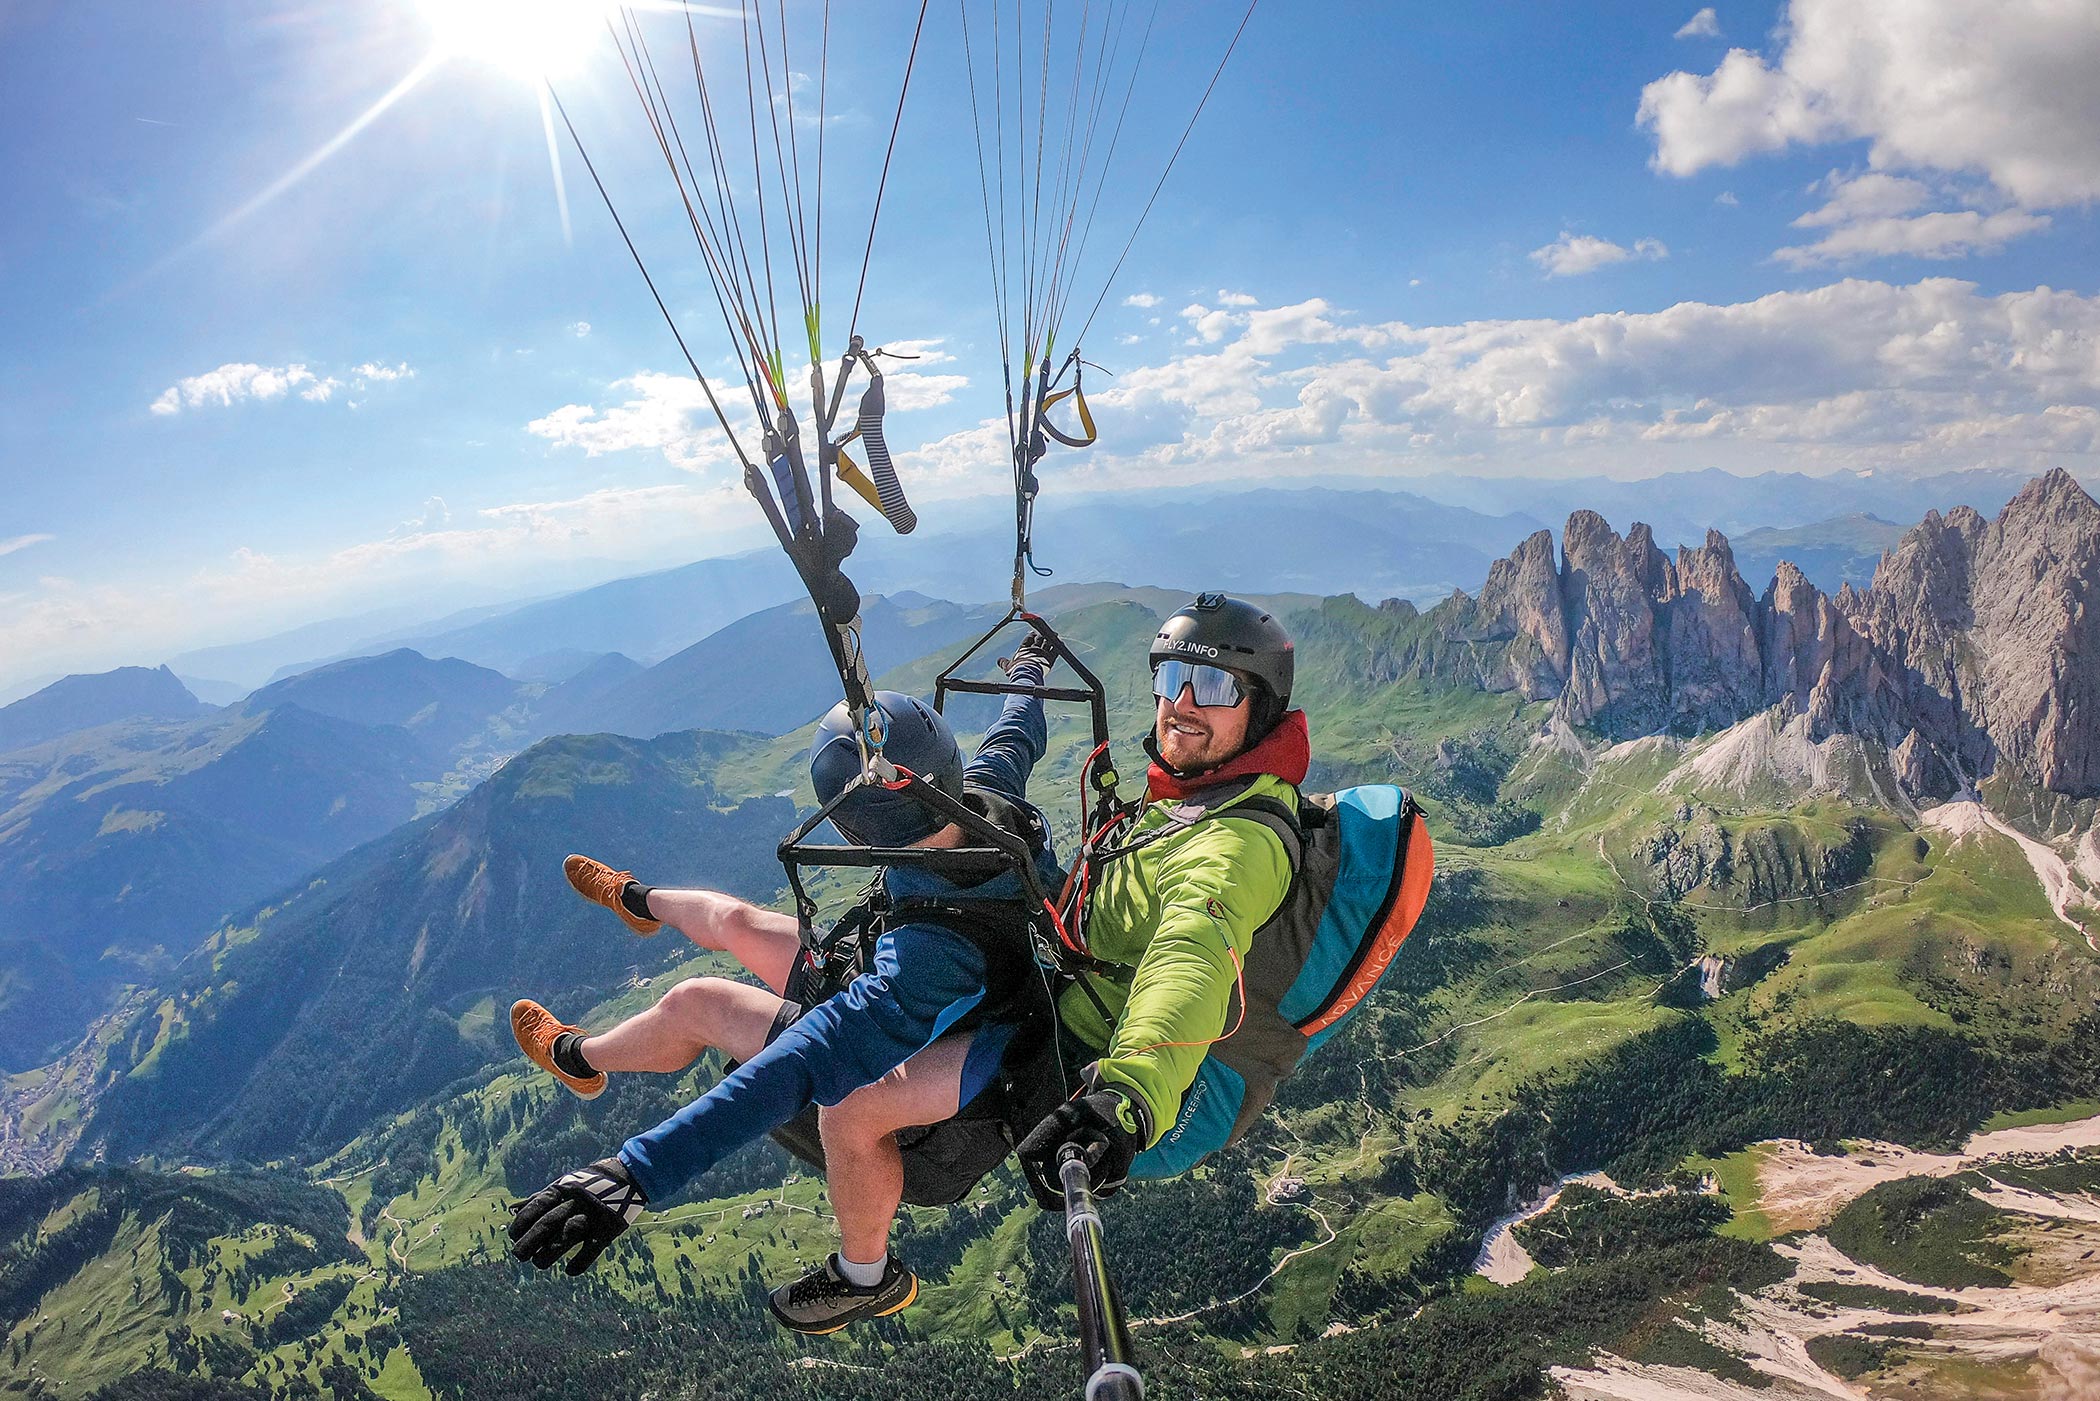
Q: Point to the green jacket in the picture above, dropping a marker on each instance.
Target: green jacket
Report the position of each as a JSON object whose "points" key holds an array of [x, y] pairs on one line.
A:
{"points": [[1163, 917]]}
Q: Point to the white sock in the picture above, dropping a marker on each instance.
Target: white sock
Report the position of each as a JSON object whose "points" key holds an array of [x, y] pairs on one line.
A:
{"points": [[863, 1276]]}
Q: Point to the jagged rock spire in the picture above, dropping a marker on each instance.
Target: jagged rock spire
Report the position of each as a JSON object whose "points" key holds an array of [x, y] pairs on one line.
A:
{"points": [[1975, 645]]}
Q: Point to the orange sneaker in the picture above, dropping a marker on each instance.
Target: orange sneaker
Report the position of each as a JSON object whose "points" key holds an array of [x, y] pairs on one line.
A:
{"points": [[536, 1027], [601, 885]]}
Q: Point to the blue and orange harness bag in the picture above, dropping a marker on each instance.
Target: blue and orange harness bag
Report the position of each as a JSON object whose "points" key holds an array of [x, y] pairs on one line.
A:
{"points": [[1361, 862]]}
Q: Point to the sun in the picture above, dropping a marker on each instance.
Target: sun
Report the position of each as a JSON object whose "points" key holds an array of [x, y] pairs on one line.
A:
{"points": [[530, 39]]}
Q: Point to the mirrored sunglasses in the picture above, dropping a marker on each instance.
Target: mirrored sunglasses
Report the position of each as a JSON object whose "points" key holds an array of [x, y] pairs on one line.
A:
{"points": [[1212, 685]]}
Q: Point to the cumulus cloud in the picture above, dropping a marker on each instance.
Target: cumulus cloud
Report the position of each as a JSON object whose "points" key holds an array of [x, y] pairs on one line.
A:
{"points": [[241, 382], [1869, 196], [232, 384], [1143, 299], [12, 543], [1704, 25], [2003, 91], [580, 329], [669, 414], [1572, 255], [1226, 298], [1859, 373], [660, 413], [1946, 234], [1875, 214]]}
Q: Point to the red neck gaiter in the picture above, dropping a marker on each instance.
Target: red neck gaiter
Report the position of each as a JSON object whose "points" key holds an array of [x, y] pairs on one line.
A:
{"points": [[1285, 751]]}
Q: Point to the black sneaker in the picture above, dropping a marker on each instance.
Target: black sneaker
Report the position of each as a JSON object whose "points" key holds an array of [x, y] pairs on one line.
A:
{"points": [[824, 1301]]}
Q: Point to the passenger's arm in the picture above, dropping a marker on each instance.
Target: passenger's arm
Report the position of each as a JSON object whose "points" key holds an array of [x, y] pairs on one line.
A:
{"points": [[1014, 743]]}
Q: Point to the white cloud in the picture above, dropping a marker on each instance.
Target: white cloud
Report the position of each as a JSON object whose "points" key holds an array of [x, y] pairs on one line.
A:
{"points": [[1572, 255], [2003, 90], [1947, 234], [670, 414], [232, 384], [435, 515], [1226, 298], [1857, 373], [1704, 25], [1869, 196], [241, 382], [1874, 215], [580, 329], [1143, 299], [662, 413], [1727, 197], [13, 543]]}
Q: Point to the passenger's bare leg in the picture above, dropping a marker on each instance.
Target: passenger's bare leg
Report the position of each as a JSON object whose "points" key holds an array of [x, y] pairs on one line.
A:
{"points": [[764, 941], [698, 1013], [862, 1166]]}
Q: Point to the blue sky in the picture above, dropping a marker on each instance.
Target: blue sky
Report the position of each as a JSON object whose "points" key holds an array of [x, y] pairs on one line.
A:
{"points": [[1403, 240]]}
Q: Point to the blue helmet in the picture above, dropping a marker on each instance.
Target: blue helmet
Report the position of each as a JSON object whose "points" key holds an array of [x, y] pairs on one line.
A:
{"points": [[919, 740]]}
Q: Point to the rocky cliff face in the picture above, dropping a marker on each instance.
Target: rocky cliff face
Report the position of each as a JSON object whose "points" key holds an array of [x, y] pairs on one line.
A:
{"points": [[1974, 647]]}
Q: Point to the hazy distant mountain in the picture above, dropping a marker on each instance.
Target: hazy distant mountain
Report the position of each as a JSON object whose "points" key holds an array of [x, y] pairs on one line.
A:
{"points": [[769, 672], [443, 702], [1376, 544], [1681, 506], [583, 685], [83, 702], [213, 692], [121, 849], [1831, 553], [264, 659], [647, 617]]}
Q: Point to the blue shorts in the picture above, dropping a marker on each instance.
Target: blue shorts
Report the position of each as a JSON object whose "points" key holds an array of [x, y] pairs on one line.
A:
{"points": [[980, 1065]]}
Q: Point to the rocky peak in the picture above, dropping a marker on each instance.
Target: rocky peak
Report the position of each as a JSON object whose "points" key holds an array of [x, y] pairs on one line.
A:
{"points": [[1972, 646], [1617, 680], [1522, 601], [2036, 684]]}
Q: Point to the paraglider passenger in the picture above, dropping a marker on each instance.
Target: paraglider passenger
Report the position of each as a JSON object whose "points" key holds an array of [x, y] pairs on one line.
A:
{"points": [[907, 1042]]}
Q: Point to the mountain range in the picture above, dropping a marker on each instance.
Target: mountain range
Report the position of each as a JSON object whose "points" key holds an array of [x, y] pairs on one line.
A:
{"points": [[1725, 862], [1960, 657]]}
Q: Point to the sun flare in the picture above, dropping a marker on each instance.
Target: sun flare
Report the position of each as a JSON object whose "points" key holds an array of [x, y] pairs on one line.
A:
{"points": [[525, 38]]}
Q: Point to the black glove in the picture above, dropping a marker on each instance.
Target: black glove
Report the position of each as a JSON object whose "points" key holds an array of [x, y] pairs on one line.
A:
{"points": [[1036, 651], [585, 1210], [1109, 1126]]}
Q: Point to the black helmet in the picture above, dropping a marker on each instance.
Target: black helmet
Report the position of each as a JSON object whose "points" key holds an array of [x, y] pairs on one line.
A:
{"points": [[1239, 636], [918, 739]]}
